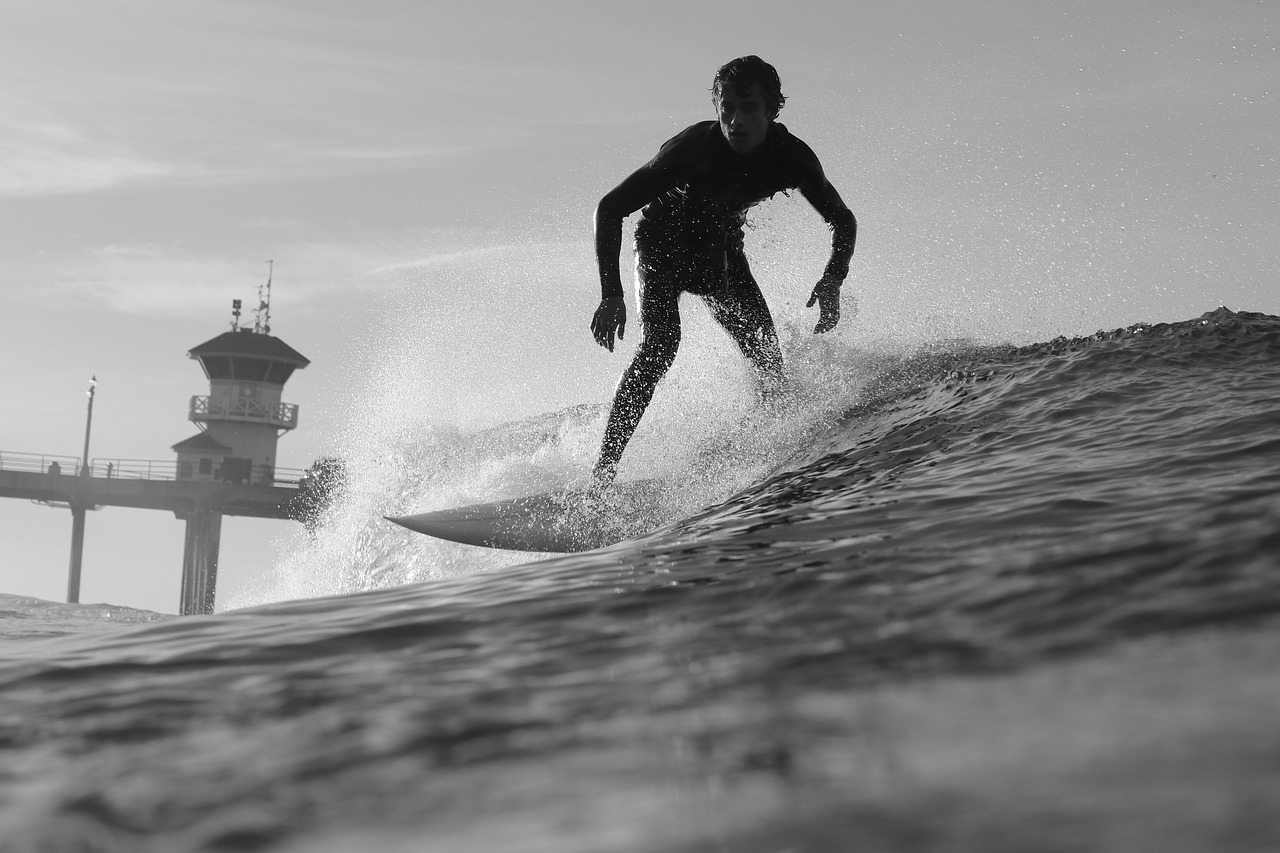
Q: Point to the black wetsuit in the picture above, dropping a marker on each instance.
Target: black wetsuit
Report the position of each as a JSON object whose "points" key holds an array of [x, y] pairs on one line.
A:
{"points": [[695, 194]]}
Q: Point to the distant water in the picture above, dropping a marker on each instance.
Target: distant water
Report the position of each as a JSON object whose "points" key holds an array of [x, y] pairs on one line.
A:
{"points": [[982, 598]]}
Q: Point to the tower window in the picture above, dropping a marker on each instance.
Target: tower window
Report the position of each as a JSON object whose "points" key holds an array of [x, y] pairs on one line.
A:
{"points": [[251, 368], [217, 367]]}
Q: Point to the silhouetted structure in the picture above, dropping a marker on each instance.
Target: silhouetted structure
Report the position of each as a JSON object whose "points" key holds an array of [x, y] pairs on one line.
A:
{"points": [[228, 468]]}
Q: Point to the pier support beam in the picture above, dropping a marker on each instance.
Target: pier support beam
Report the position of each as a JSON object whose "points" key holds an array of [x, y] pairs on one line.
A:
{"points": [[77, 554], [200, 563], [200, 504]]}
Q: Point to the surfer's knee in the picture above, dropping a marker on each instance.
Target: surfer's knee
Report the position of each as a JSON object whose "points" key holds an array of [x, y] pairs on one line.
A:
{"points": [[657, 350], [758, 341]]}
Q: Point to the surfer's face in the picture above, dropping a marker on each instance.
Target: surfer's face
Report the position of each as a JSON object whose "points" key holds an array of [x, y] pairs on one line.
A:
{"points": [[744, 119]]}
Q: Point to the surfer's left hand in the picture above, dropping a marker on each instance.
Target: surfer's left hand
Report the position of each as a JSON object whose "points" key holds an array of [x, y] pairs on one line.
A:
{"points": [[826, 293]]}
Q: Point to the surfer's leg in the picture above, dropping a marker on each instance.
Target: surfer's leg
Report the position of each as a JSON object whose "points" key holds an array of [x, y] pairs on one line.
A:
{"points": [[654, 356], [741, 310], [659, 340]]}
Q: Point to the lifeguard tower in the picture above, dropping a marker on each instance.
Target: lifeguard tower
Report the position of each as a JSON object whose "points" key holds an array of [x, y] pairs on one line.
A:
{"points": [[243, 415]]}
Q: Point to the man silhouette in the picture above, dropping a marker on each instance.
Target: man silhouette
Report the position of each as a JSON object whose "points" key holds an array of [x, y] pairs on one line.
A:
{"points": [[695, 194]]}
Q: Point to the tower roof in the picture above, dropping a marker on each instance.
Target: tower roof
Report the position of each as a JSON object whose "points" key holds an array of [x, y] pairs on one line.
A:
{"points": [[251, 344], [201, 441]]}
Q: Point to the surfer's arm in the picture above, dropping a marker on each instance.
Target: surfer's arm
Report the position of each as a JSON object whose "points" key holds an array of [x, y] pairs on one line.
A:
{"points": [[622, 201], [610, 318], [844, 229], [641, 187], [820, 193]]}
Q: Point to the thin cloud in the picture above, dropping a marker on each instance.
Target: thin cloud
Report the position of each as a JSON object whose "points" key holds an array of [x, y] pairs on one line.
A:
{"points": [[142, 279], [157, 281], [35, 173], [40, 155], [442, 259]]}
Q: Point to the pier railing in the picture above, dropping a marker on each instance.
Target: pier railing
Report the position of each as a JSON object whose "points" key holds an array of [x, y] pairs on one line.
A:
{"points": [[122, 469], [39, 463]]}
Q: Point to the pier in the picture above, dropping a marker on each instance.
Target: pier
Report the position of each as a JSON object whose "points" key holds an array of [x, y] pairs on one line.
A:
{"points": [[150, 484], [227, 468]]}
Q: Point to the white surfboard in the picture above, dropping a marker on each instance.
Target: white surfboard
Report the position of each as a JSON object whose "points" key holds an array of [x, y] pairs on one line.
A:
{"points": [[556, 522]]}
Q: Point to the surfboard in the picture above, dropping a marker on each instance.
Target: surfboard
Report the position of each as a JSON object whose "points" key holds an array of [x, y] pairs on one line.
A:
{"points": [[555, 522]]}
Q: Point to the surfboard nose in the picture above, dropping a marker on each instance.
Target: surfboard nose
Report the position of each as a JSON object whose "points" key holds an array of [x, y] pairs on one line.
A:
{"points": [[555, 522]]}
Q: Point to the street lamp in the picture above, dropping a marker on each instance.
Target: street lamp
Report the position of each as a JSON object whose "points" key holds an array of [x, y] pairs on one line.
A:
{"points": [[88, 424], [79, 501]]}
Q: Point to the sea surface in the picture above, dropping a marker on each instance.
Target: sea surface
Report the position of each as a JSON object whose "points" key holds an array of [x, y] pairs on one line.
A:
{"points": [[957, 597]]}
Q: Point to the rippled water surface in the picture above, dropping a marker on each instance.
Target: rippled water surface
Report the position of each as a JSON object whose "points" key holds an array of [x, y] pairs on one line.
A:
{"points": [[974, 604]]}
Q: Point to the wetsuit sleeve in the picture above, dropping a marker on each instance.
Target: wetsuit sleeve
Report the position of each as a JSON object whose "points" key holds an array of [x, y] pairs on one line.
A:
{"points": [[820, 193], [664, 172]]}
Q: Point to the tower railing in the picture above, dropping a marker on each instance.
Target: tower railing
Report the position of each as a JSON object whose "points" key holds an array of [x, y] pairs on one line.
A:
{"points": [[279, 415]]}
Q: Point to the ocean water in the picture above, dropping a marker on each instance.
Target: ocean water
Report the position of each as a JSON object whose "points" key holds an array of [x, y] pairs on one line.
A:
{"points": [[959, 597]]}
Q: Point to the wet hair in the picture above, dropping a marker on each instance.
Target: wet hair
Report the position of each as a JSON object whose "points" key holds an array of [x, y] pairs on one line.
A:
{"points": [[743, 73]]}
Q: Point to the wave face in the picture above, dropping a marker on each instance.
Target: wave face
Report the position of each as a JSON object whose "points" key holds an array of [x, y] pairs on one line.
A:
{"points": [[735, 674], [1062, 494]]}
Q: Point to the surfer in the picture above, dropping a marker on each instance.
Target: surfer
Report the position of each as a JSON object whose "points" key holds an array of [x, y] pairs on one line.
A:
{"points": [[695, 193]]}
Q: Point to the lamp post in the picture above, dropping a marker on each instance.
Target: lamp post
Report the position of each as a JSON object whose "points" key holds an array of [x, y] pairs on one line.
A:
{"points": [[78, 505], [88, 425]]}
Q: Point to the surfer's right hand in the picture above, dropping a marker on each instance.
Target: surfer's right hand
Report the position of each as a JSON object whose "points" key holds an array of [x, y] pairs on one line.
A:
{"points": [[610, 318]]}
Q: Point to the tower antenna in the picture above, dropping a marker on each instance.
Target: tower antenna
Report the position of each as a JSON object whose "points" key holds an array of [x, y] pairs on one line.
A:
{"points": [[262, 317]]}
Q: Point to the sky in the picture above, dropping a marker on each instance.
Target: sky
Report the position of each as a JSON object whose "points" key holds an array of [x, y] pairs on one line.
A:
{"points": [[422, 176]]}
